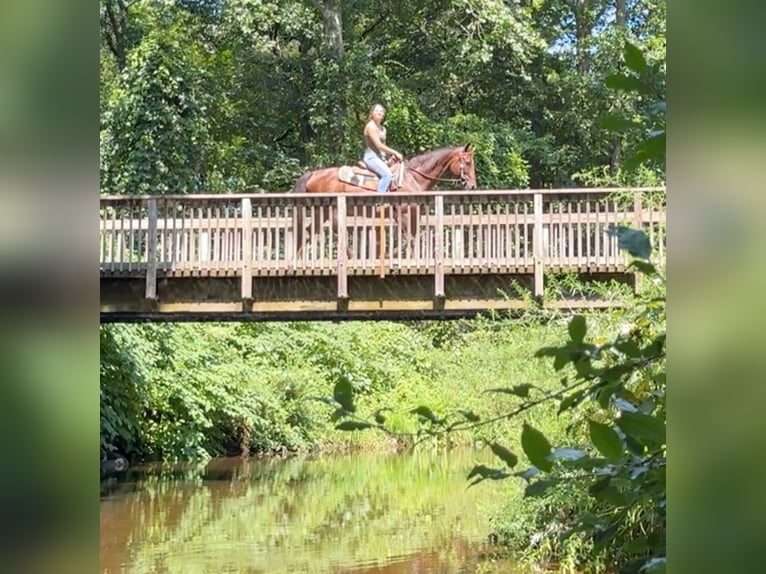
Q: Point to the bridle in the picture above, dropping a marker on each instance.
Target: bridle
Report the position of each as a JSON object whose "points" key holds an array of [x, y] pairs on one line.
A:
{"points": [[462, 179]]}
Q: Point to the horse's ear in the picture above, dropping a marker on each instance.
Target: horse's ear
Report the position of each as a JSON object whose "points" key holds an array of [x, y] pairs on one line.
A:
{"points": [[467, 146]]}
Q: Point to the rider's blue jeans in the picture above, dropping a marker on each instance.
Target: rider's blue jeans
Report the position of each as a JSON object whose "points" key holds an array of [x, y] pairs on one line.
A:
{"points": [[377, 165]]}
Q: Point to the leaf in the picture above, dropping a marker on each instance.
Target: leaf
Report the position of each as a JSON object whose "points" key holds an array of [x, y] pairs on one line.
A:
{"points": [[343, 393], [577, 328], [549, 351], [637, 545], [566, 453], [536, 447], [654, 146], [380, 417], [529, 473], [571, 401], [658, 108], [560, 361], [504, 454], [519, 390], [634, 241], [603, 536], [470, 416], [426, 413], [625, 83], [485, 472], [624, 405], [642, 266], [353, 425], [606, 440], [538, 488], [634, 59], [338, 413], [583, 367], [616, 123], [644, 428], [653, 566]]}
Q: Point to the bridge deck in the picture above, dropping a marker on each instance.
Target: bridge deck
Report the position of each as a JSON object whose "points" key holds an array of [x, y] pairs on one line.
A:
{"points": [[239, 255]]}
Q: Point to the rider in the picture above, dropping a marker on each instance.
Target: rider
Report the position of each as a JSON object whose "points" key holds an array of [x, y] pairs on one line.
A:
{"points": [[375, 154]]}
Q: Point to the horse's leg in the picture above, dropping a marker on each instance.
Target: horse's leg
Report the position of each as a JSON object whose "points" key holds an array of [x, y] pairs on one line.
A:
{"points": [[299, 225], [408, 220], [316, 228]]}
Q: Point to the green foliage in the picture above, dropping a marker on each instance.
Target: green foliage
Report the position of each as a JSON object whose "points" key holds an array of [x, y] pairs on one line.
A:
{"points": [[598, 501], [244, 95]]}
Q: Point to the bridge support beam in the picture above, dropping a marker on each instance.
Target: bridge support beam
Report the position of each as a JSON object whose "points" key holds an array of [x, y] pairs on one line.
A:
{"points": [[247, 249], [342, 249], [151, 251], [538, 246], [439, 248]]}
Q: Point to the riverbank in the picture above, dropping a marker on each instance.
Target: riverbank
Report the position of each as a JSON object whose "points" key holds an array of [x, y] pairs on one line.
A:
{"points": [[186, 391]]}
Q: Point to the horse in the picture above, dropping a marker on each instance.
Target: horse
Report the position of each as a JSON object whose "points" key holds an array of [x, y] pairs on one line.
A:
{"points": [[419, 173]]}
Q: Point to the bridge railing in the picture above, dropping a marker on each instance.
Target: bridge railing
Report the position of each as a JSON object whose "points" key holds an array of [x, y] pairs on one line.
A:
{"points": [[433, 233]]}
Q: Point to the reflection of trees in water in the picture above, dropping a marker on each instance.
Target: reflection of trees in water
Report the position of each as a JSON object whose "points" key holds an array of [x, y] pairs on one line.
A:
{"points": [[300, 514]]}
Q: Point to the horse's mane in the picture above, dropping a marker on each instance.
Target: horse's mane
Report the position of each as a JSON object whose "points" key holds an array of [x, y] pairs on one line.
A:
{"points": [[431, 159]]}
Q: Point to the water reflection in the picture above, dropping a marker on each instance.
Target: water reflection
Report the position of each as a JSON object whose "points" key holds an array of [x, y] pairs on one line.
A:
{"points": [[361, 514]]}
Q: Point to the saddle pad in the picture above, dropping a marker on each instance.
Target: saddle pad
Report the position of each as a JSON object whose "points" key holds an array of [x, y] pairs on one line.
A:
{"points": [[346, 173]]}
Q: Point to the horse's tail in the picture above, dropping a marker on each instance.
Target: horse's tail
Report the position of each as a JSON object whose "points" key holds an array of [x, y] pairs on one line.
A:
{"points": [[298, 217], [300, 185]]}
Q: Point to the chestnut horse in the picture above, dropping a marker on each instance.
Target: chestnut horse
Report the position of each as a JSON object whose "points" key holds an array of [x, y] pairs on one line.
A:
{"points": [[420, 173]]}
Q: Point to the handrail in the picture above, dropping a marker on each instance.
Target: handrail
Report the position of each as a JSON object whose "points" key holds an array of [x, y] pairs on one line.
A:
{"points": [[469, 193]]}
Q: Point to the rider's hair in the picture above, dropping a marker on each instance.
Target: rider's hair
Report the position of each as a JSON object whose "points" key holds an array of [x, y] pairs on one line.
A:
{"points": [[372, 109]]}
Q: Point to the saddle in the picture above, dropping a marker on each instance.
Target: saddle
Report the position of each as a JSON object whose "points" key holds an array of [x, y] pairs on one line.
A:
{"points": [[359, 174]]}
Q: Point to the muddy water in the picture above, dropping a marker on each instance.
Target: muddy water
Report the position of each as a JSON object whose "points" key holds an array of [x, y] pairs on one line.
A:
{"points": [[362, 514]]}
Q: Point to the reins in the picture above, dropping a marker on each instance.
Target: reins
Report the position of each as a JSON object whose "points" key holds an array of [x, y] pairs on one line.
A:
{"points": [[431, 177]]}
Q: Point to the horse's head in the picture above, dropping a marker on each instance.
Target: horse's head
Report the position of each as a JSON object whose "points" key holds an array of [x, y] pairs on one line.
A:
{"points": [[461, 166]]}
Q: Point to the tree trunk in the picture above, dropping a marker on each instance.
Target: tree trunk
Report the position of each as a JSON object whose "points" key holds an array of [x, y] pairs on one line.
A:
{"points": [[114, 29], [620, 14], [582, 32], [332, 22]]}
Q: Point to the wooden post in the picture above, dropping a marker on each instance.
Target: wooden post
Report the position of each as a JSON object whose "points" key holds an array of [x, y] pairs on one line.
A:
{"points": [[151, 251], [382, 240], [638, 222], [439, 247], [247, 249], [539, 251], [342, 249]]}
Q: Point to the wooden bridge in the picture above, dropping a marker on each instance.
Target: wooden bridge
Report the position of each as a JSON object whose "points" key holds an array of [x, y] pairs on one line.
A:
{"points": [[446, 253]]}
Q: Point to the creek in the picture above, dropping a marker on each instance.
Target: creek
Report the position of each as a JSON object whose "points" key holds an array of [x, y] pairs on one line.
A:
{"points": [[359, 513]]}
